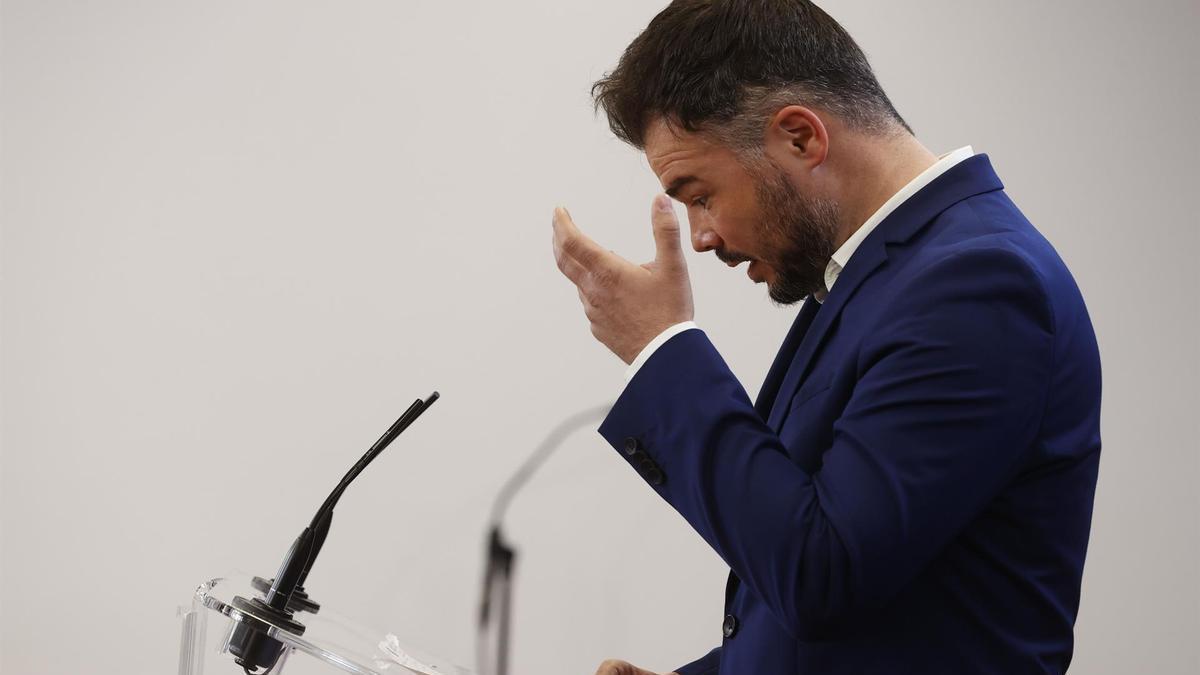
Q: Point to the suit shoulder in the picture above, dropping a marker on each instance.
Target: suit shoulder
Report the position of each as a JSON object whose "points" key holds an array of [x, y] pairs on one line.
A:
{"points": [[989, 233], [969, 273]]}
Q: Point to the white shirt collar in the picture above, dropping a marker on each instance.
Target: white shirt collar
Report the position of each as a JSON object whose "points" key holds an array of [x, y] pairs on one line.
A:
{"points": [[842, 256]]}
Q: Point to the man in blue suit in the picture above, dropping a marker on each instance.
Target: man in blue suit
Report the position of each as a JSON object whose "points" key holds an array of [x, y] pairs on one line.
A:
{"points": [[912, 490]]}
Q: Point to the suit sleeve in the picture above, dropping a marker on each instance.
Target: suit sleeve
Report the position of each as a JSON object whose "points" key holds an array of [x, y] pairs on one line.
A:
{"points": [[949, 396]]}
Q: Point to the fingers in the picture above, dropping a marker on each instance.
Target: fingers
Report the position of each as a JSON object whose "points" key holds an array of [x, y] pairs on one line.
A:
{"points": [[616, 667], [582, 260], [588, 307], [666, 231], [569, 242], [570, 268], [598, 279]]}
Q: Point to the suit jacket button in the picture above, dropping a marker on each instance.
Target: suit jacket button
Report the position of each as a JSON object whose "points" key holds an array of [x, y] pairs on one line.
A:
{"points": [[631, 445], [655, 476], [730, 626]]}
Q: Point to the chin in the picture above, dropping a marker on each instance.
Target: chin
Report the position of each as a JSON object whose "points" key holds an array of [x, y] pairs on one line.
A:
{"points": [[784, 294]]}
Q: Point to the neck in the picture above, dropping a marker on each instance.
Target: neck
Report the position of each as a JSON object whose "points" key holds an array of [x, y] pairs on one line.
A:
{"points": [[879, 170]]}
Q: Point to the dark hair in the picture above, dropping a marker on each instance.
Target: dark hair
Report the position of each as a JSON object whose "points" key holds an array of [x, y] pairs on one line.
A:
{"points": [[727, 65]]}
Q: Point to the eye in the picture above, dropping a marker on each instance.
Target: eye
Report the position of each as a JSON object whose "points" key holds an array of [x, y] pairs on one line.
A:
{"points": [[702, 202]]}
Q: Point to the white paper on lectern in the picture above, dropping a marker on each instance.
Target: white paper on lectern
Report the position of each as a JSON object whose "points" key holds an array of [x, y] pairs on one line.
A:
{"points": [[423, 664]]}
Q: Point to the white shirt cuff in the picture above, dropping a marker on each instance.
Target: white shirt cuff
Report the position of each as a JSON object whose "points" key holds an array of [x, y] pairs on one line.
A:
{"points": [[657, 342]]}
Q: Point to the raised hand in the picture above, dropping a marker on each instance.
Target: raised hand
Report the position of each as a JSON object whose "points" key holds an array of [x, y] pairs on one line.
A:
{"points": [[627, 304]]}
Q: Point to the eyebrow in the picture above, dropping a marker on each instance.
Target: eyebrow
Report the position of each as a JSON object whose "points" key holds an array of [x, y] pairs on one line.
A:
{"points": [[678, 184]]}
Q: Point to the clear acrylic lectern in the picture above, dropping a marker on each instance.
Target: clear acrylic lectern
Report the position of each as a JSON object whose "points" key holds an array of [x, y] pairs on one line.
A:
{"points": [[330, 643]]}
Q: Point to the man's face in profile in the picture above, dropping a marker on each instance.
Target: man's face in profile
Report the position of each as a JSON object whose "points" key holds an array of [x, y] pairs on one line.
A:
{"points": [[746, 210]]}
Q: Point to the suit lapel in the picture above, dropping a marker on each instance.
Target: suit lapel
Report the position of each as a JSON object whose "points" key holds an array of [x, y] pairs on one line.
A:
{"points": [[966, 179], [783, 359]]}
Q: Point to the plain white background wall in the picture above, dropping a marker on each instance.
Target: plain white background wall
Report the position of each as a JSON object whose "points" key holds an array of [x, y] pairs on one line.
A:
{"points": [[240, 237]]}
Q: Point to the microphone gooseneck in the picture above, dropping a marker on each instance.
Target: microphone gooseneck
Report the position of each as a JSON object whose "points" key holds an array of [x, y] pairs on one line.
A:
{"points": [[495, 606], [251, 645]]}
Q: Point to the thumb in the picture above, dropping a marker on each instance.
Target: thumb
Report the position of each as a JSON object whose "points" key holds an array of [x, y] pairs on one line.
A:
{"points": [[666, 232]]}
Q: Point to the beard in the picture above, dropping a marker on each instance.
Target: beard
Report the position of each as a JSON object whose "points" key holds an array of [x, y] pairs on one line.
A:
{"points": [[801, 231]]}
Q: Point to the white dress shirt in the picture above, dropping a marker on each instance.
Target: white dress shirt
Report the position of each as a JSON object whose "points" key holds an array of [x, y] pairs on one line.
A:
{"points": [[841, 257]]}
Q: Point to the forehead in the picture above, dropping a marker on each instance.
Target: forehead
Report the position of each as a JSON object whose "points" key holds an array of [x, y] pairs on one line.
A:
{"points": [[670, 150]]}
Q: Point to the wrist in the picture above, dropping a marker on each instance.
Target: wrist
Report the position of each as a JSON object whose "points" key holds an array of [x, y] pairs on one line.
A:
{"points": [[658, 341]]}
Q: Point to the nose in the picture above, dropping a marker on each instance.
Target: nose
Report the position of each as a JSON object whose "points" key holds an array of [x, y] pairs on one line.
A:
{"points": [[704, 239]]}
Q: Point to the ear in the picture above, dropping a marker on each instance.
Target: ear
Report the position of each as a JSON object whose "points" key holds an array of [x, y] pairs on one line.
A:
{"points": [[797, 134]]}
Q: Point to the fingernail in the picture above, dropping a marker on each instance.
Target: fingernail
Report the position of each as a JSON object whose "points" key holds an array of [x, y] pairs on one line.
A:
{"points": [[662, 203]]}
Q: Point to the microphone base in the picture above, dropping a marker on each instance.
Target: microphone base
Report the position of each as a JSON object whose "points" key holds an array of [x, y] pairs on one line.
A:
{"points": [[251, 644], [299, 602]]}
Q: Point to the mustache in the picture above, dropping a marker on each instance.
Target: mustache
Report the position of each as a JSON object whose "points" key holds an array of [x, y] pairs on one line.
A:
{"points": [[731, 257]]}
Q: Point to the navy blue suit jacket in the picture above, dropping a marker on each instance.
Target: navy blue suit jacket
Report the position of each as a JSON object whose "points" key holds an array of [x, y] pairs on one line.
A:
{"points": [[912, 491]]}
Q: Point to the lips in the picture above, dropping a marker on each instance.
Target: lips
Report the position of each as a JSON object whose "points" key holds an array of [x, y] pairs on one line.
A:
{"points": [[753, 271]]}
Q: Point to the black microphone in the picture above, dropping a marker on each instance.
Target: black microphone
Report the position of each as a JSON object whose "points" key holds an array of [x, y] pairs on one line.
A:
{"points": [[251, 643]]}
